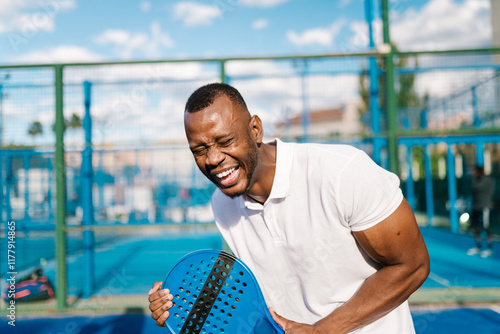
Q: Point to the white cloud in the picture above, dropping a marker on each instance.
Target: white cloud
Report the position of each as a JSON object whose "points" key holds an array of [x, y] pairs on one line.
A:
{"points": [[254, 67], [60, 54], [30, 16], [440, 24], [260, 24], [324, 36], [196, 14], [262, 3], [127, 44], [360, 36], [444, 24], [145, 6]]}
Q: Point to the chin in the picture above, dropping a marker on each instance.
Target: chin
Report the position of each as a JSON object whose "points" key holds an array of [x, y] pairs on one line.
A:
{"points": [[234, 191], [232, 194]]}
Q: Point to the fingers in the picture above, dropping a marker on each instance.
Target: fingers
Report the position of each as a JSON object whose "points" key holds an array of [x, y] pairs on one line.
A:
{"points": [[279, 319], [156, 287], [160, 301]]}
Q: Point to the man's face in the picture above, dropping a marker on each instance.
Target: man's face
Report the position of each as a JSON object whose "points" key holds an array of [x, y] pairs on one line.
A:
{"points": [[220, 140]]}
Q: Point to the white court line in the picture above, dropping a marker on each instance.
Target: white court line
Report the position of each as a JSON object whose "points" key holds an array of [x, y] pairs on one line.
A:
{"points": [[439, 280], [495, 308]]}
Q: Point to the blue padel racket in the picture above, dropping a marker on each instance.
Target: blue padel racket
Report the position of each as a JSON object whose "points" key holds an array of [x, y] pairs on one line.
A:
{"points": [[214, 293]]}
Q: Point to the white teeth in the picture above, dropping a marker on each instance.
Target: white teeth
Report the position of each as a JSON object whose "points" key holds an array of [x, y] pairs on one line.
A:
{"points": [[226, 173]]}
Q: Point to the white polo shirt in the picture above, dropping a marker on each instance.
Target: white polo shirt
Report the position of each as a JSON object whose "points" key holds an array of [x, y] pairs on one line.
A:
{"points": [[299, 244]]}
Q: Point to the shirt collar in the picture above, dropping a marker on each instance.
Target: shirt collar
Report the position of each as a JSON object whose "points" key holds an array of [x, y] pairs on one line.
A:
{"points": [[281, 179]]}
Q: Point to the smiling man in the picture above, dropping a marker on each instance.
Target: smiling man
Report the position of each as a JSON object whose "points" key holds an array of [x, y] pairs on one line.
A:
{"points": [[334, 245]]}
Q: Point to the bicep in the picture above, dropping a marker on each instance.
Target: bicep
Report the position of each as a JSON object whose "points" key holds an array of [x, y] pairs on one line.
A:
{"points": [[395, 240]]}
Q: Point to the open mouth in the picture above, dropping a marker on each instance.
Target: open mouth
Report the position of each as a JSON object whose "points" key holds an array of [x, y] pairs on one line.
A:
{"points": [[228, 177]]}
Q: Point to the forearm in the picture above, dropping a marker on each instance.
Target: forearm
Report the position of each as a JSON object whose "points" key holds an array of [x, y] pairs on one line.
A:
{"points": [[378, 295]]}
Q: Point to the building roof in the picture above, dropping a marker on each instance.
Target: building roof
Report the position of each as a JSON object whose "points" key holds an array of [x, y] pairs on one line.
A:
{"points": [[317, 116]]}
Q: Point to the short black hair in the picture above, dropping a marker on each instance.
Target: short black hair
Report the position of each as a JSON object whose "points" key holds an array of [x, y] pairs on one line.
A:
{"points": [[205, 96]]}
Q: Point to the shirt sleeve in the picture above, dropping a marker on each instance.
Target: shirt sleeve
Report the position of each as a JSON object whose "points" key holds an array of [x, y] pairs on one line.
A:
{"points": [[368, 193]]}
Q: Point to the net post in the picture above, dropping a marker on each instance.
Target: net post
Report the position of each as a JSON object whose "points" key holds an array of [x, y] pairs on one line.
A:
{"points": [[61, 291], [87, 203], [391, 106]]}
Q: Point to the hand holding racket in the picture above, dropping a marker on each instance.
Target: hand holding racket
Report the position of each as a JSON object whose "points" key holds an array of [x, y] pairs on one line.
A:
{"points": [[214, 292]]}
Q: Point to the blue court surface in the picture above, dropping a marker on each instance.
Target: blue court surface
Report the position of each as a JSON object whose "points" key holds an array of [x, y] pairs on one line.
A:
{"points": [[453, 321], [127, 266]]}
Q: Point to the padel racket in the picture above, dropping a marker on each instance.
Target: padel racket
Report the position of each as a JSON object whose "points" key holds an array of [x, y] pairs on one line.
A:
{"points": [[214, 292]]}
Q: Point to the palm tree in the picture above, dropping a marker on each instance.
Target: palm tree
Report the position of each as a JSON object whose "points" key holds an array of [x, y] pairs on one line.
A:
{"points": [[35, 129], [75, 122]]}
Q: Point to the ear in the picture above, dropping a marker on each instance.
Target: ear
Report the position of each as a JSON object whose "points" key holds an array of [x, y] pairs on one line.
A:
{"points": [[255, 129]]}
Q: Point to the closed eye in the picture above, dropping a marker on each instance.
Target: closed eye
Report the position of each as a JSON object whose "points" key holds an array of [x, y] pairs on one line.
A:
{"points": [[226, 142], [198, 151]]}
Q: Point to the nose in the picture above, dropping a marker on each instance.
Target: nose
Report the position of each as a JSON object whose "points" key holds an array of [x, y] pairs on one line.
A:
{"points": [[214, 156]]}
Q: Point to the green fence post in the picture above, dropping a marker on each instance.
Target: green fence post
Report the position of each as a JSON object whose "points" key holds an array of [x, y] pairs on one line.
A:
{"points": [[391, 95], [223, 77], [60, 193]]}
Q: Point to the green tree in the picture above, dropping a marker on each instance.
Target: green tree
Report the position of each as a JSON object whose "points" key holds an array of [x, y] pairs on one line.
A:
{"points": [[74, 122], [406, 95], [35, 129]]}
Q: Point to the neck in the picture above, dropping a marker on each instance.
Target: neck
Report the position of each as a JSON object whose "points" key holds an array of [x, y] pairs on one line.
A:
{"points": [[264, 174]]}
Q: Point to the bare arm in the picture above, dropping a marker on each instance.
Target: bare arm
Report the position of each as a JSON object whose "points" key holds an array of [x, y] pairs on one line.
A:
{"points": [[398, 245]]}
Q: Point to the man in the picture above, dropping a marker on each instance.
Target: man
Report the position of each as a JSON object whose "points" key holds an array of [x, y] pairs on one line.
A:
{"points": [[328, 234], [482, 194]]}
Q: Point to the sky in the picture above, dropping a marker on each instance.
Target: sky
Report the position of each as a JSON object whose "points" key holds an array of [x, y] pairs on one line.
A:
{"points": [[73, 31], [66, 31]]}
